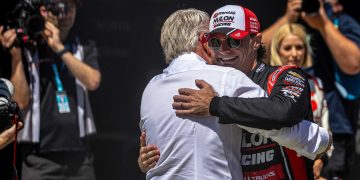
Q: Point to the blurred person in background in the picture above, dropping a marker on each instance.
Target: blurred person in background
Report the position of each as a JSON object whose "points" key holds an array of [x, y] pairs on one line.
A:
{"points": [[52, 82], [291, 15], [337, 64], [291, 46]]}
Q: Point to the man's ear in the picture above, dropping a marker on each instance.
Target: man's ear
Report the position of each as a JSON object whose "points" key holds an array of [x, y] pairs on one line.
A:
{"points": [[203, 49], [43, 11], [257, 41], [204, 44], [209, 53]]}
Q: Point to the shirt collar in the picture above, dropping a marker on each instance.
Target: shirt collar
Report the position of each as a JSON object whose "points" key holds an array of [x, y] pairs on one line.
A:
{"points": [[185, 62]]}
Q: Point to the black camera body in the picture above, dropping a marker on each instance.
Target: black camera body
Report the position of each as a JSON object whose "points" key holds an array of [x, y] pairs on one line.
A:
{"points": [[7, 113], [310, 6], [9, 110], [26, 19]]}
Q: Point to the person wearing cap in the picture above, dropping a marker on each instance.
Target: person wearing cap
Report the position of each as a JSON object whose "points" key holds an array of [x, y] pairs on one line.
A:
{"points": [[199, 147], [52, 82], [288, 102]]}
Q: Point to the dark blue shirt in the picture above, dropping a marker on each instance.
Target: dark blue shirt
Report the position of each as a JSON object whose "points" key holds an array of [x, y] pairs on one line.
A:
{"points": [[347, 85]]}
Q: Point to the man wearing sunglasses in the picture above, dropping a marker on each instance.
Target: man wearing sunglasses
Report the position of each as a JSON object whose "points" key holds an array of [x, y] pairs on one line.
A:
{"points": [[201, 148], [235, 38]]}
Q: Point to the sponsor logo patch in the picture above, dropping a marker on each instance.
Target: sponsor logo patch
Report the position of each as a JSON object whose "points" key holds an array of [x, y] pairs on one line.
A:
{"points": [[223, 21], [293, 80], [296, 74], [292, 92], [274, 172]]}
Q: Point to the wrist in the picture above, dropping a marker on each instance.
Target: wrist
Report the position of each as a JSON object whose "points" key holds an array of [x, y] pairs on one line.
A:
{"points": [[62, 51], [288, 18], [324, 29], [15, 52], [16, 62], [58, 48]]}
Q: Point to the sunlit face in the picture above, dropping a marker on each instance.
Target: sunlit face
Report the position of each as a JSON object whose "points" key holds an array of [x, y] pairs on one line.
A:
{"points": [[241, 57], [292, 50]]}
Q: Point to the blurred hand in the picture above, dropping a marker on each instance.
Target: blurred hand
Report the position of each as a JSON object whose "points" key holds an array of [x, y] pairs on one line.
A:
{"points": [[49, 17], [52, 36], [7, 40], [318, 165], [51, 32], [194, 102], [149, 155], [293, 10], [318, 20], [8, 135]]}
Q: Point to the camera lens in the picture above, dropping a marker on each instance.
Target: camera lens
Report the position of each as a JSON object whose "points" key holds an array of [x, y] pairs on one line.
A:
{"points": [[36, 25], [310, 6]]}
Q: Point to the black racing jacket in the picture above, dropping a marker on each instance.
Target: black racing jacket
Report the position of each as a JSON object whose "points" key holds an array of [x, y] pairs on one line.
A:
{"points": [[288, 103]]}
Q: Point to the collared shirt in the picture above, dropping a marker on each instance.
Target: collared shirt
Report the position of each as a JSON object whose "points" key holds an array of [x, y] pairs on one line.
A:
{"points": [[193, 148]]}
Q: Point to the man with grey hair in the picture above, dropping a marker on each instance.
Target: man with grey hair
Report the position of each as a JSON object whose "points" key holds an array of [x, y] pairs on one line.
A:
{"points": [[199, 147]]}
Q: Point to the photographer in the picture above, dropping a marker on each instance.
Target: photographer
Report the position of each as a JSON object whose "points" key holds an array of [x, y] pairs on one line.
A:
{"points": [[338, 63], [291, 15], [53, 79]]}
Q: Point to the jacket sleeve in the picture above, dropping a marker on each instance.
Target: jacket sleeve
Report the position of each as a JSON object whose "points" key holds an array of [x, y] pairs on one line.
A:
{"points": [[306, 138], [287, 105]]}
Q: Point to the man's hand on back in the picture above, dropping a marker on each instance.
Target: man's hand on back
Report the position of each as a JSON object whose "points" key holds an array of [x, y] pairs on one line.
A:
{"points": [[191, 102]]}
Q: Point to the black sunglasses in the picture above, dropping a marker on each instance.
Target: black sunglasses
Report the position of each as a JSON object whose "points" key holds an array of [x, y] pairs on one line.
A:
{"points": [[215, 43]]}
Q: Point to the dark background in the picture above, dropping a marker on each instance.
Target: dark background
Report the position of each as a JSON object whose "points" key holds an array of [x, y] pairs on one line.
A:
{"points": [[127, 34]]}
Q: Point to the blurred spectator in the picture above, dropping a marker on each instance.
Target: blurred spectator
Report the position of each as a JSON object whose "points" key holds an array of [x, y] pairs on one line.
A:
{"points": [[337, 63], [53, 94], [291, 15], [290, 46]]}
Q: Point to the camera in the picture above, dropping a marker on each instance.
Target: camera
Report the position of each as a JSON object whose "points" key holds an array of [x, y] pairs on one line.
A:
{"points": [[26, 19], [310, 6], [8, 108]]}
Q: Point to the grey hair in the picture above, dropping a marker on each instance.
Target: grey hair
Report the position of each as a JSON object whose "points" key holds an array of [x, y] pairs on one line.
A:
{"points": [[180, 32]]}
